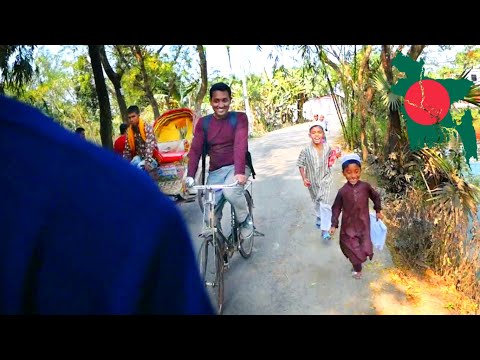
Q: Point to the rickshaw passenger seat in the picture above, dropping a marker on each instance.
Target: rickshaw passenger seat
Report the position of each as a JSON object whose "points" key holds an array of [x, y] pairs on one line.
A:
{"points": [[169, 133], [172, 156]]}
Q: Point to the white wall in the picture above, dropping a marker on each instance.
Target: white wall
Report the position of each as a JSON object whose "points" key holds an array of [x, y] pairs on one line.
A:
{"points": [[474, 73]]}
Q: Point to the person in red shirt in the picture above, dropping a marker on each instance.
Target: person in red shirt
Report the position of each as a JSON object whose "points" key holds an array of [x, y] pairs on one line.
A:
{"points": [[119, 145]]}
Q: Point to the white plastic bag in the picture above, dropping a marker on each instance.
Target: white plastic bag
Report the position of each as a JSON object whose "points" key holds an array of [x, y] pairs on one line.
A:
{"points": [[378, 231]]}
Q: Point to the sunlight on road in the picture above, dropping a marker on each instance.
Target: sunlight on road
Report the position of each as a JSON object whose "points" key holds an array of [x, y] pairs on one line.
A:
{"points": [[394, 293]]}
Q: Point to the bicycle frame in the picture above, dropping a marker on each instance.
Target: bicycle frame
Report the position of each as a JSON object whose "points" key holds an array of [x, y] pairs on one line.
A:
{"points": [[213, 236], [209, 203]]}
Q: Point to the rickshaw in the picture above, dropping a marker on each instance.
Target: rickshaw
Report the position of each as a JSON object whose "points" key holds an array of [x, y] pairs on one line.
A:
{"points": [[174, 133]]}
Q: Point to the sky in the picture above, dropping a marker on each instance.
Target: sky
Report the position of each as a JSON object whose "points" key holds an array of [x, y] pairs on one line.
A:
{"points": [[243, 57], [249, 59], [254, 61]]}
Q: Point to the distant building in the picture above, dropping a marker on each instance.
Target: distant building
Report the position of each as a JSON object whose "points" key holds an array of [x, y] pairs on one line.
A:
{"points": [[323, 105], [474, 75]]}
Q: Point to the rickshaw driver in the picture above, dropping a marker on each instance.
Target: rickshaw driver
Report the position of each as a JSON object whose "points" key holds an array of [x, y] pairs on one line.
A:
{"points": [[141, 145]]}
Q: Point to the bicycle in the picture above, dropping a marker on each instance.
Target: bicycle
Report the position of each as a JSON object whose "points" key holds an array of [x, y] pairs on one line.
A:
{"points": [[215, 243]]}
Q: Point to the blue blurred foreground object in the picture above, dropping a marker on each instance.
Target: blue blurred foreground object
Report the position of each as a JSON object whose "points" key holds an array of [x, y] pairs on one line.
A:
{"points": [[83, 232]]}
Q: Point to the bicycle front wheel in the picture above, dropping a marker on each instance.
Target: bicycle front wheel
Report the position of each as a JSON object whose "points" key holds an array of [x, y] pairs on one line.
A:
{"points": [[246, 245], [210, 258]]}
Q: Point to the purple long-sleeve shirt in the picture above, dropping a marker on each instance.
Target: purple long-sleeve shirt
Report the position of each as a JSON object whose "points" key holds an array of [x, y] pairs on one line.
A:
{"points": [[226, 145]]}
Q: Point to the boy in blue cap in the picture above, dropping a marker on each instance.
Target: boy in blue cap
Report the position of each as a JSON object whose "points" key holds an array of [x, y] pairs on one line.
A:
{"points": [[352, 201]]}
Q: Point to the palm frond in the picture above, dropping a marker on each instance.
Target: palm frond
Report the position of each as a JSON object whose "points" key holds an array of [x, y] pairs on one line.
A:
{"points": [[473, 96], [380, 82], [453, 193], [381, 85], [464, 73], [460, 196], [393, 101]]}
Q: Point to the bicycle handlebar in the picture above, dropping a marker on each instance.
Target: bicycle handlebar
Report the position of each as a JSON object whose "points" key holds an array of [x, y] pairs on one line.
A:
{"points": [[216, 187]]}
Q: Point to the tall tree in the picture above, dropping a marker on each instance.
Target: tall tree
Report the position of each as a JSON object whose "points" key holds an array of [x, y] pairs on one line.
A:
{"points": [[365, 94], [52, 90], [173, 79], [116, 79], [343, 71], [204, 83], [103, 99], [140, 54], [84, 84]]}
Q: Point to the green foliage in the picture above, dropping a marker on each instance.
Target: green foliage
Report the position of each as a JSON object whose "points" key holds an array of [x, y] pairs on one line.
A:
{"points": [[85, 86], [16, 67], [273, 99], [431, 219], [166, 80], [470, 58], [52, 91]]}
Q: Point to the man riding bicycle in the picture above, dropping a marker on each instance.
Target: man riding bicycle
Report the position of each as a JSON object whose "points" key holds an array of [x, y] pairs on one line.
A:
{"points": [[227, 147]]}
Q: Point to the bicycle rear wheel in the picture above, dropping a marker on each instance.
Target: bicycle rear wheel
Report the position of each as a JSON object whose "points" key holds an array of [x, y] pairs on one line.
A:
{"points": [[211, 270], [246, 245]]}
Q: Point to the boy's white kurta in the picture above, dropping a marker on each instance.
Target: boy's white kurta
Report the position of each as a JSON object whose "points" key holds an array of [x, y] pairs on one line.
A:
{"points": [[320, 176]]}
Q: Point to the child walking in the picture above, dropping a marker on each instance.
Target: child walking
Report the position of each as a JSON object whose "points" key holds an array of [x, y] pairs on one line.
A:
{"points": [[313, 163], [352, 201]]}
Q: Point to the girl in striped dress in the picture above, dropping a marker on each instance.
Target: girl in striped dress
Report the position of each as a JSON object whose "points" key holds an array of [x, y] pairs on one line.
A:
{"points": [[316, 174]]}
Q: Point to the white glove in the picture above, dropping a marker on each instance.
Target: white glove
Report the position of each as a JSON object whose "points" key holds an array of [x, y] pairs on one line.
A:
{"points": [[189, 181]]}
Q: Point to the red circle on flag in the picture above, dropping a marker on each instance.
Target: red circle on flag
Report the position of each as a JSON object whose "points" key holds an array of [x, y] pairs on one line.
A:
{"points": [[435, 104]]}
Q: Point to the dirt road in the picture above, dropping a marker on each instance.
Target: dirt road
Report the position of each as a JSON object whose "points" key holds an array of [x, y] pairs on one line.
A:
{"points": [[292, 271]]}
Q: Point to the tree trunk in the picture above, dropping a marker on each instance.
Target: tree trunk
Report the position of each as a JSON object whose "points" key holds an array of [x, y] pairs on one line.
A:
{"points": [[415, 51], [115, 78], [172, 82], [343, 79], [147, 87], [375, 137], [364, 102], [302, 98], [102, 94], [203, 85], [368, 97], [395, 137], [247, 104]]}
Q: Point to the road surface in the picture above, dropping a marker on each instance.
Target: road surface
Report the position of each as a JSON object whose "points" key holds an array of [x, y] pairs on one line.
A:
{"points": [[292, 270]]}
